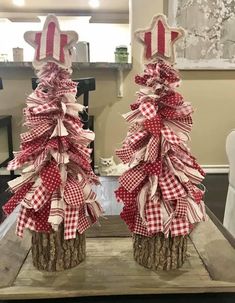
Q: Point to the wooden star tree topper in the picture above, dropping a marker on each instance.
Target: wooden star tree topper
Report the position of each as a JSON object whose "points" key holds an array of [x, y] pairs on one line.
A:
{"points": [[52, 44], [159, 39]]}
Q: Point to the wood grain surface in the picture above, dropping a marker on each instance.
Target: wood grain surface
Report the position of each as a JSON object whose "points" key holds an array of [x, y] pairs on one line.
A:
{"points": [[13, 251], [217, 253], [109, 269]]}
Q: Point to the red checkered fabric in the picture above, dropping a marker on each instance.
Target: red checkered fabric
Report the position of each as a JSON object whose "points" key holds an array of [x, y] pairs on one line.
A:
{"points": [[36, 132], [152, 150], [172, 99], [79, 147], [134, 127], [32, 120], [170, 186], [73, 193], [24, 156], [125, 154], [128, 215], [164, 151], [30, 146], [153, 168], [181, 208], [167, 73], [62, 92], [74, 123], [70, 222], [76, 120], [148, 110], [125, 196], [170, 136], [83, 222], [134, 106], [41, 216], [22, 218], [72, 127], [139, 227], [178, 112], [137, 140], [46, 108], [30, 223], [50, 176], [17, 198], [153, 125], [179, 227], [64, 141], [40, 197], [185, 120], [53, 143], [18, 161], [132, 178], [154, 216], [184, 110]]}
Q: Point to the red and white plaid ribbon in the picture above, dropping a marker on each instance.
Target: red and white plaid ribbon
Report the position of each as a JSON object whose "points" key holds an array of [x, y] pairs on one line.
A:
{"points": [[148, 110], [73, 192], [154, 218]]}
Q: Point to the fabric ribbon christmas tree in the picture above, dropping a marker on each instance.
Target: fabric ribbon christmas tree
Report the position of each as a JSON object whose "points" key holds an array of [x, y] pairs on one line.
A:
{"points": [[55, 185], [160, 190]]}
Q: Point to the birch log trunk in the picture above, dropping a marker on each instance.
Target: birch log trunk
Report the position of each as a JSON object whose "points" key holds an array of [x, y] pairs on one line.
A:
{"points": [[159, 253], [50, 252]]}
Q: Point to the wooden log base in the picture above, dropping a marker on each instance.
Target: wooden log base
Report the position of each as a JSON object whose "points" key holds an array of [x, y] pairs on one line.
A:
{"points": [[50, 252], [159, 253]]}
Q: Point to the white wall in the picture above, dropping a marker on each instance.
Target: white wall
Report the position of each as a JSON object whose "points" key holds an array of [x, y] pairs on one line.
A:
{"points": [[103, 38]]}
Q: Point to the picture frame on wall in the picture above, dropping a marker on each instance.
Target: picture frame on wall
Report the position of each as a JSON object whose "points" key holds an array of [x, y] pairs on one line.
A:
{"points": [[209, 42]]}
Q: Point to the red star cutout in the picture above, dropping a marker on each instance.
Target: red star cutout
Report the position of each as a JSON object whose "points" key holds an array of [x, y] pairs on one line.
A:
{"points": [[52, 44], [159, 39]]}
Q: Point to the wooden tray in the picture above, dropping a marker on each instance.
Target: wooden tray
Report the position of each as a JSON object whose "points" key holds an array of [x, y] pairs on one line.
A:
{"points": [[109, 268]]}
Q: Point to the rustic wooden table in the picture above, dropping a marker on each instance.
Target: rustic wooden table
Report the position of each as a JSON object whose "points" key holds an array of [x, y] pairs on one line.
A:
{"points": [[109, 270]]}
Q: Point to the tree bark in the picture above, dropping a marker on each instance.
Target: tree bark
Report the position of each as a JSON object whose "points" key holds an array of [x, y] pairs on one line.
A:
{"points": [[50, 252], [159, 253]]}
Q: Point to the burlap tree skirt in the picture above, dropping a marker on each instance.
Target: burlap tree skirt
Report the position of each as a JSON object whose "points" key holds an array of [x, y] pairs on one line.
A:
{"points": [[50, 252], [159, 253]]}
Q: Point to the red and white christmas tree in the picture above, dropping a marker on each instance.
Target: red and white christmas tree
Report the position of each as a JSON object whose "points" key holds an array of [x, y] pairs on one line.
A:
{"points": [[54, 191], [160, 192]]}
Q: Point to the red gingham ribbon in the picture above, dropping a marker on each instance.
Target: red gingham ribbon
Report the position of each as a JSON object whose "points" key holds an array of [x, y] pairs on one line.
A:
{"points": [[171, 188], [73, 193], [148, 110], [154, 216]]}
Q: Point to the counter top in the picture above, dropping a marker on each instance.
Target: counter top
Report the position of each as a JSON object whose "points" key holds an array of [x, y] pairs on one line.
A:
{"points": [[75, 65]]}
